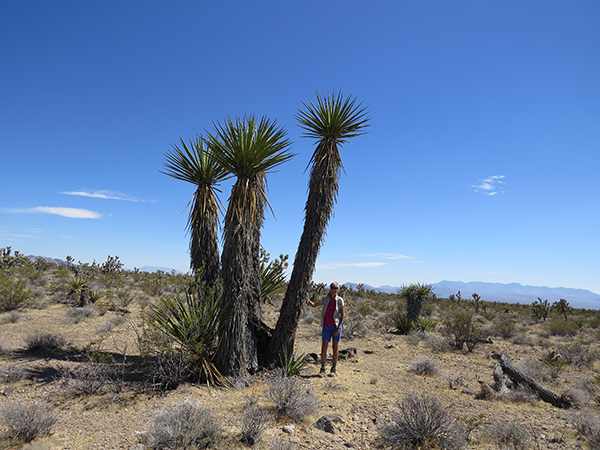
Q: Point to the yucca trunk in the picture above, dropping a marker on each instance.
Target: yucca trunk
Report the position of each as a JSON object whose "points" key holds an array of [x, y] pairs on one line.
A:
{"points": [[204, 250], [237, 354], [323, 188]]}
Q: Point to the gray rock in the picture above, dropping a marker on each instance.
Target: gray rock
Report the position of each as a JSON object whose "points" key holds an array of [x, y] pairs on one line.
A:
{"points": [[325, 424], [289, 429]]}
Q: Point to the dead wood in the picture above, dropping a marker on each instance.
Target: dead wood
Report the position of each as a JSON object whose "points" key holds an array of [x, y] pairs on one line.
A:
{"points": [[519, 378]]}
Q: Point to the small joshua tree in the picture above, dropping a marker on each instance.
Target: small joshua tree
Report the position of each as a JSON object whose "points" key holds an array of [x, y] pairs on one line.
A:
{"points": [[562, 306], [476, 301], [540, 309]]}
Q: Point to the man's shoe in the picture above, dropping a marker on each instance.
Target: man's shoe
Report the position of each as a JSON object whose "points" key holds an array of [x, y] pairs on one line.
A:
{"points": [[322, 373], [332, 373]]}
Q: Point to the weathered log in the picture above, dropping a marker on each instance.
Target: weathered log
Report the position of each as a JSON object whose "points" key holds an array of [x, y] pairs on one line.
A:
{"points": [[519, 377], [500, 381]]}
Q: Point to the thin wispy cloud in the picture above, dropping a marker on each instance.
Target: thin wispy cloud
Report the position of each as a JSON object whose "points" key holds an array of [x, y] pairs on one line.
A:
{"points": [[390, 256], [72, 213], [345, 265], [490, 185], [106, 195]]}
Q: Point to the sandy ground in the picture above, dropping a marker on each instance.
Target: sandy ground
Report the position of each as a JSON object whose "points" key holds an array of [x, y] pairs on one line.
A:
{"points": [[363, 394]]}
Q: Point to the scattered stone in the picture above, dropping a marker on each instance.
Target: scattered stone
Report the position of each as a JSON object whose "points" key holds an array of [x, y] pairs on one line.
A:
{"points": [[289, 429], [347, 353], [294, 441], [368, 352], [352, 444], [326, 425], [312, 357], [388, 346], [8, 391]]}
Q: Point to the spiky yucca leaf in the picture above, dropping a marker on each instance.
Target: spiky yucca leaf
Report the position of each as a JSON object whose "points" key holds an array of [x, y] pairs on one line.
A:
{"points": [[193, 322], [192, 163]]}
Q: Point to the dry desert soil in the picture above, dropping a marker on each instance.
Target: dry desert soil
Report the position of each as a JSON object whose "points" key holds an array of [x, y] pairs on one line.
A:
{"points": [[363, 395]]}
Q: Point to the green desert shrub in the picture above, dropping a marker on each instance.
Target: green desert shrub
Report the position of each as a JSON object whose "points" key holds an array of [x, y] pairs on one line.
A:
{"points": [[505, 329], [13, 293], [24, 423], [184, 426], [460, 330], [559, 327], [293, 398], [419, 421]]}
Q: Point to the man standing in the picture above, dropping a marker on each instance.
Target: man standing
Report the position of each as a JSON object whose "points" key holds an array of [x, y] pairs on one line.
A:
{"points": [[332, 318]]}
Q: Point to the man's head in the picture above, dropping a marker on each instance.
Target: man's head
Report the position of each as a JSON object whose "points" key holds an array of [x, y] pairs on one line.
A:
{"points": [[334, 286]]}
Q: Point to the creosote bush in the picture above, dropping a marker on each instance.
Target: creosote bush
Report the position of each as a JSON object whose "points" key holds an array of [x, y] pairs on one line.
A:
{"points": [[460, 330], [26, 422], [419, 421], [293, 398], [13, 294], [184, 426]]}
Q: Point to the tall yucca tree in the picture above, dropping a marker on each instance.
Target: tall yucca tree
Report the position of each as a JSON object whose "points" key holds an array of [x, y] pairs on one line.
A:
{"points": [[248, 148], [192, 162], [332, 121]]}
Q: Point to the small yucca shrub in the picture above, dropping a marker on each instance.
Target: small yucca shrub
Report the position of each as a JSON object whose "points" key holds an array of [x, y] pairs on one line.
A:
{"points": [[187, 326]]}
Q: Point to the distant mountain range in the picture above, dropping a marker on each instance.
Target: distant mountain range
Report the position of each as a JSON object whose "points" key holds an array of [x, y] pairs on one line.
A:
{"points": [[509, 293], [493, 292]]}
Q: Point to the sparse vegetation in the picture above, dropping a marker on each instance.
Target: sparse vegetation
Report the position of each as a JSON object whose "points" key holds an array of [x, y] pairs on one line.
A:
{"points": [[423, 366], [508, 435], [184, 426], [13, 293], [25, 423], [293, 398], [36, 364], [253, 423], [460, 330], [588, 425], [420, 421], [44, 342]]}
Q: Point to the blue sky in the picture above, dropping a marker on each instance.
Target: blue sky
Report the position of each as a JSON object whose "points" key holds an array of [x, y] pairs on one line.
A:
{"points": [[481, 163]]}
